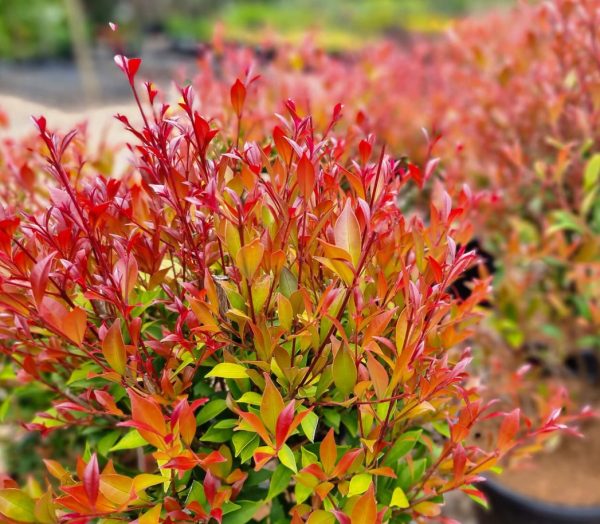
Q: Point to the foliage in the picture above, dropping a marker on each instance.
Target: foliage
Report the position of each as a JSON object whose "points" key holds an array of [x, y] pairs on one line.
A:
{"points": [[241, 328], [521, 131], [33, 29]]}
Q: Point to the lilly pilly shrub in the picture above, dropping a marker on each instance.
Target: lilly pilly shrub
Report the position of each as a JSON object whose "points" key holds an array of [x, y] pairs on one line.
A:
{"points": [[241, 330]]}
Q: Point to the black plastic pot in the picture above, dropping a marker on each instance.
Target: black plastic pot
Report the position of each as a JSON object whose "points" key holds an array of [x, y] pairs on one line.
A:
{"points": [[509, 507]]}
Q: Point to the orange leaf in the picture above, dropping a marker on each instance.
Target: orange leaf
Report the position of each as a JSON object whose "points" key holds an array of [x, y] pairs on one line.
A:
{"points": [[377, 325], [147, 412], [238, 96], [429, 509], [249, 257], [306, 176], [379, 376], [256, 424], [113, 348], [328, 452], [72, 324], [271, 405], [365, 509], [508, 430]]}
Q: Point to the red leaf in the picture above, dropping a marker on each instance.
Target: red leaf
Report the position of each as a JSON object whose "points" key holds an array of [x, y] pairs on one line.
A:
{"points": [[345, 462], [436, 268], [39, 277], [284, 423], [459, 459], [364, 149], [129, 66], [182, 463], [341, 517], [91, 479], [214, 457], [210, 487]]}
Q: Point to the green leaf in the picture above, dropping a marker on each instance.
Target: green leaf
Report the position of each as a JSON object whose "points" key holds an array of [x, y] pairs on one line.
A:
{"points": [[402, 447], [307, 457], [107, 442], [211, 410], [244, 444], [81, 373], [131, 440], [230, 507], [196, 493], [5, 407], [286, 456], [243, 515], [359, 484], [279, 481], [442, 428], [216, 434], [228, 370], [17, 505], [288, 283], [563, 220], [399, 499], [228, 423]]}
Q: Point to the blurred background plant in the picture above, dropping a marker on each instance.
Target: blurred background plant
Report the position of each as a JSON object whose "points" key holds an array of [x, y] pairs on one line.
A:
{"points": [[39, 29]]}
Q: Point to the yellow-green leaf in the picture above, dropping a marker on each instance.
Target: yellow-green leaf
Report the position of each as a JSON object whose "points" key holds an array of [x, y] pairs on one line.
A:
{"points": [[151, 516], [45, 512], [228, 370], [285, 312], [286, 457], [17, 505], [399, 499], [347, 233], [344, 370], [592, 172], [359, 484], [320, 516]]}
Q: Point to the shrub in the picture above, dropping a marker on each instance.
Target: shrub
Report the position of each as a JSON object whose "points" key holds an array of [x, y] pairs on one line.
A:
{"points": [[242, 329]]}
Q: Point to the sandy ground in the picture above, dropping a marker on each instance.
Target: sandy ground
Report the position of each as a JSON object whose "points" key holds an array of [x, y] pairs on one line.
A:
{"points": [[100, 119]]}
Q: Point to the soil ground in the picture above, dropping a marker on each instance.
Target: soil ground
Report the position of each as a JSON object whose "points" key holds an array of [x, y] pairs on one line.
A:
{"points": [[569, 475]]}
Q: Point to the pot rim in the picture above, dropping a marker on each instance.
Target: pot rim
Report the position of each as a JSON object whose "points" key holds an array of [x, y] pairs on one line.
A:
{"points": [[540, 506]]}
